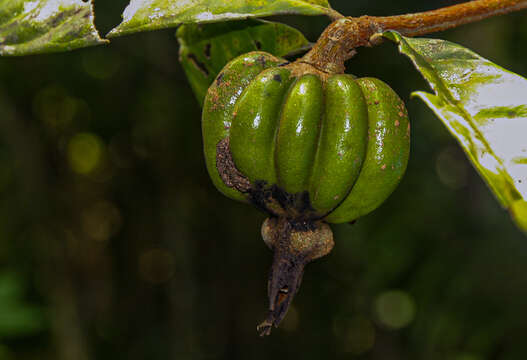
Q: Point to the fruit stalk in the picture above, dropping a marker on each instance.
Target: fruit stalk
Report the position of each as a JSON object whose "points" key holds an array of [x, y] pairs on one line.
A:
{"points": [[294, 244], [340, 39], [284, 278]]}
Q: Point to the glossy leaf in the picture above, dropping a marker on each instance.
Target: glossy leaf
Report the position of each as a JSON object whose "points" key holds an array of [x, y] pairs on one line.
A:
{"points": [[206, 49], [485, 107], [142, 15], [42, 26]]}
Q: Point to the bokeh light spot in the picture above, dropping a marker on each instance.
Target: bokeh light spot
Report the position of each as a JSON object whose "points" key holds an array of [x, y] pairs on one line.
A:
{"points": [[101, 220], [156, 266], [85, 152], [54, 107], [395, 309]]}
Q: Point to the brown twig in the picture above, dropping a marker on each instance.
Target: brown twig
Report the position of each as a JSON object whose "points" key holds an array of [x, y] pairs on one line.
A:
{"points": [[340, 39]]}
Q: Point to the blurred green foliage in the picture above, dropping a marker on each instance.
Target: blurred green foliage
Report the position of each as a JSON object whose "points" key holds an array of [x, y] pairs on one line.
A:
{"points": [[114, 244]]}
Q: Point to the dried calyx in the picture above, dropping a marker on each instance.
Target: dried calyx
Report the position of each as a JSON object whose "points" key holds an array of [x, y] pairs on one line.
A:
{"points": [[295, 244]]}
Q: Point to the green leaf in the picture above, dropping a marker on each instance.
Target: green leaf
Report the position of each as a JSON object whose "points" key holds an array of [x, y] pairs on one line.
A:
{"points": [[485, 107], [43, 26], [206, 49], [141, 15]]}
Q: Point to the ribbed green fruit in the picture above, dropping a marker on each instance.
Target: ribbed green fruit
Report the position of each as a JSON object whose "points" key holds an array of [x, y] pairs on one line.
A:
{"points": [[303, 144]]}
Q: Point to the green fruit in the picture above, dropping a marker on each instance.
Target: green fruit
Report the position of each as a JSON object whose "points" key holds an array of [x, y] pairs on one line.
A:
{"points": [[306, 146], [303, 144]]}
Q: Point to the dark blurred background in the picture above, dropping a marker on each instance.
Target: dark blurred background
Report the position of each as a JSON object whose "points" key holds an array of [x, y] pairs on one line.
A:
{"points": [[115, 245]]}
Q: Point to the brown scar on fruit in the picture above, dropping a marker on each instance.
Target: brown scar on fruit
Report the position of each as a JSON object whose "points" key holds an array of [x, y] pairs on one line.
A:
{"points": [[230, 175]]}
